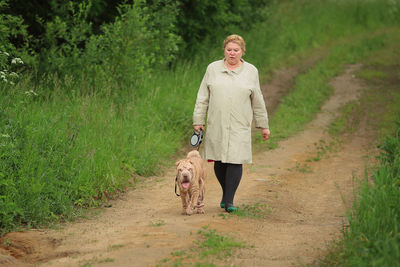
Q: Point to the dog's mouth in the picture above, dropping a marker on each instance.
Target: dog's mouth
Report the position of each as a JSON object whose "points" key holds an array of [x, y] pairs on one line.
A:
{"points": [[185, 181], [185, 185]]}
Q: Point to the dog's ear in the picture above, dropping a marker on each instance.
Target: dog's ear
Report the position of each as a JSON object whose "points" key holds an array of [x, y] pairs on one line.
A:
{"points": [[177, 163]]}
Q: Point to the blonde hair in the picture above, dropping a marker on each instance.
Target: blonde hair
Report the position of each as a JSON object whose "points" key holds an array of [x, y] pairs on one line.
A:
{"points": [[237, 39]]}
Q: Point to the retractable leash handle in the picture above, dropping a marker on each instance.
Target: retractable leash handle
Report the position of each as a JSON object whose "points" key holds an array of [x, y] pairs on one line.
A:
{"points": [[196, 139]]}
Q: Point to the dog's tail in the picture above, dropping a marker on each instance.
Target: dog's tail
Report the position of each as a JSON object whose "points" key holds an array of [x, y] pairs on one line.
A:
{"points": [[193, 154]]}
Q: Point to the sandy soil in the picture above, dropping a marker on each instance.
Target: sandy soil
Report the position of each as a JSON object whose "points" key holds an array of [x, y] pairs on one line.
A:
{"points": [[307, 201]]}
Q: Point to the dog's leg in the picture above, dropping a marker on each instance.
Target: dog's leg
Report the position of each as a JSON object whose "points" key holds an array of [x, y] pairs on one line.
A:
{"points": [[185, 200], [194, 195], [200, 200]]}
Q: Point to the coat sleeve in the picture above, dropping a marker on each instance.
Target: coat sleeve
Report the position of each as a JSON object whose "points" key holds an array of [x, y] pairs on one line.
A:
{"points": [[257, 102], [203, 97]]}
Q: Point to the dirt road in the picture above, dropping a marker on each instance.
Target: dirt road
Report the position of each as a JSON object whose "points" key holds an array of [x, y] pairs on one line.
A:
{"points": [[306, 199]]}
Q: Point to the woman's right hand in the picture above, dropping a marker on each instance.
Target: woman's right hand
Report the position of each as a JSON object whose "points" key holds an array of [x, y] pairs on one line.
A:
{"points": [[197, 128]]}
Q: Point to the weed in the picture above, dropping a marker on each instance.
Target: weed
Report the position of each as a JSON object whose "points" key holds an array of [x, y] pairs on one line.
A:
{"points": [[257, 210], [7, 242], [95, 261], [348, 120], [157, 223], [213, 246], [178, 253], [301, 168], [106, 260], [324, 149], [225, 215], [115, 247]]}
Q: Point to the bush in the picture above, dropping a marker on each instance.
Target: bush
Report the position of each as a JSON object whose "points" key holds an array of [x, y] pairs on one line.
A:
{"points": [[202, 24], [140, 40], [11, 29]]}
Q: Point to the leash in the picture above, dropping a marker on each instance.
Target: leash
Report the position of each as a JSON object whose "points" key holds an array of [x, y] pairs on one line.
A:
{"points": [[176, 182]]}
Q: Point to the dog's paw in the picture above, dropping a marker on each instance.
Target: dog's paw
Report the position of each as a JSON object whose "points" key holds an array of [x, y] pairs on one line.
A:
{"points": [[189, 211], [200, 211]]}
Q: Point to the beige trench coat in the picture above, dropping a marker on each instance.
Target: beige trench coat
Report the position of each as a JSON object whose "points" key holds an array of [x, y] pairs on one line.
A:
{"points": [[230, 99]]}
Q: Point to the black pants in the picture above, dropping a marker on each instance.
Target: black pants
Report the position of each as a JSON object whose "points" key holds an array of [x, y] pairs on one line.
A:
{"points": [[229, 176]]}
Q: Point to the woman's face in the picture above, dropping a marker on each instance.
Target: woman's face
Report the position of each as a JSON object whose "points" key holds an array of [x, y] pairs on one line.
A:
{"points": [[233, 53]]}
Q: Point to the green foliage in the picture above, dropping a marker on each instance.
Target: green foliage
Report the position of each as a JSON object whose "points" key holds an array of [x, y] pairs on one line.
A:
{"points": [[373, 236], [312, 89], [211, 247], [140, 40], [11, 28], [348, 119], [296, 26], [48, 165], [216, 244], [257, 210], [60, 154], [204, 23], [64, 37]]}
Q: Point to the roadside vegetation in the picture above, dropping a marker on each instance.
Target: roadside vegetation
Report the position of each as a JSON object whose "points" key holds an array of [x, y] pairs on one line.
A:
{"points": [[85, 103], [372, 237]]}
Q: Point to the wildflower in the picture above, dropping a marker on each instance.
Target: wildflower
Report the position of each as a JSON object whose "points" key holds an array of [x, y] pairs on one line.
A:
{"points": [[31, 92], [13, 75], [17, 60]]}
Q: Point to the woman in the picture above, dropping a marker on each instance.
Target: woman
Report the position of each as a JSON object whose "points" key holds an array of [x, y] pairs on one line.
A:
{"points": [[230, 95]]}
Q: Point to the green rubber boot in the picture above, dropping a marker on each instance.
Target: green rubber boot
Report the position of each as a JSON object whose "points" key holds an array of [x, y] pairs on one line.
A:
{"points": [[231, 209]]}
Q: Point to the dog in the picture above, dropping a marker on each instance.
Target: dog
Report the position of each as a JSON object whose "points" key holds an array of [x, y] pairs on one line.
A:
{"points": [[191, 175]]}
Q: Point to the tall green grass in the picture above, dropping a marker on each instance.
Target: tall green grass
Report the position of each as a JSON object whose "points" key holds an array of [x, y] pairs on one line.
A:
{"points": [[312, 88], [373, 235], [64, 147], [62, 153], [295, 27]]}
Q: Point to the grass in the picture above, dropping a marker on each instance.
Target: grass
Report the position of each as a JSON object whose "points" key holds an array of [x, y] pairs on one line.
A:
{"points": [[325, 149], [211, 250], [157, 223], [256, 210], [311, 88], [346, 122]]}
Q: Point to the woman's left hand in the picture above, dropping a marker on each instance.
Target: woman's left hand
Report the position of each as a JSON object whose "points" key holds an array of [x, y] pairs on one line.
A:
{"points": [[265, 133]]}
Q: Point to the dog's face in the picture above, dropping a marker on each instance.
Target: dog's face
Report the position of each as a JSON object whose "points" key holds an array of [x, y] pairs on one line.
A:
{"points": [[185, 173]]}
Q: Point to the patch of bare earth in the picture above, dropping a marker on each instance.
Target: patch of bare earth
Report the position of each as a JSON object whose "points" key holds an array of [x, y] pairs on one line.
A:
{"points": [[145, 225]]}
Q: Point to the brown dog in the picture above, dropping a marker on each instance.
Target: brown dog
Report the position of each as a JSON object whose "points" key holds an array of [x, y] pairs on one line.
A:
{"points": [[191, 174]]}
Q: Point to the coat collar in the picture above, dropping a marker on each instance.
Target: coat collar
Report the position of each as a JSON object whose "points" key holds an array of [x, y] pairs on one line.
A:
{"points": [[223, 67]]}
